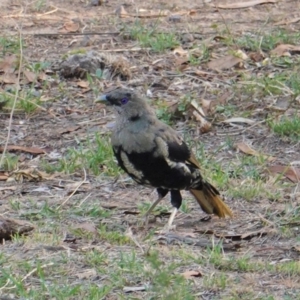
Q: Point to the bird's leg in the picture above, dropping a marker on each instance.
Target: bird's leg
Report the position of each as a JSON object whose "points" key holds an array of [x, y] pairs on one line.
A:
{"points": [[171, 218], [176, 201], [161, 194]]}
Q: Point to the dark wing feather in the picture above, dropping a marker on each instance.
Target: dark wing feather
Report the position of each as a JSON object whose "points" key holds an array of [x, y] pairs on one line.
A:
{"points": [[180, 152]]}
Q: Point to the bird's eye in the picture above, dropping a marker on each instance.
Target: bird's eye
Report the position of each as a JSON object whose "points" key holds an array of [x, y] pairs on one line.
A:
{"points": [[124, 100]]}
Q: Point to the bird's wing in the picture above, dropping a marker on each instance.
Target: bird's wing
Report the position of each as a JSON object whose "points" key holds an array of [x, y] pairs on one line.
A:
{"points": [[178, 150]]}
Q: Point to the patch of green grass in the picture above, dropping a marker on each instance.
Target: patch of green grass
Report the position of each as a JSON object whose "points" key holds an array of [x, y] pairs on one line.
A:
{"points": [[221, 261], [226, 110], [94, 211], [94, 156], [37, 212], [276, 83], [9, 45], [216, 280], [96, 259], [29, 100], [150, 38], [163, 112], [249, 190], [247, 169], [9, 162], [40, 6], [54, 287], [165, 280], [285, 61], [38, 66], [29, 103], [287, 127], [112, 236], [185, 207], [290, 268], [265, 41], [202, 56]]}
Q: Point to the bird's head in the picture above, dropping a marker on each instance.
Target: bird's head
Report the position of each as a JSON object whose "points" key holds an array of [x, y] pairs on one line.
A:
{"points": [[128, 103]]}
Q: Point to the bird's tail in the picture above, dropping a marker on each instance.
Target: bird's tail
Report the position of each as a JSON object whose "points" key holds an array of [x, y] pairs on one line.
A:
{"points": [[210, 201]]}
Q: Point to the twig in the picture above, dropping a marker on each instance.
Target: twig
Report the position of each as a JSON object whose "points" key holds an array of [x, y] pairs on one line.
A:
{"points": [[72, 33], [88, 196], [239, 131], [35, 269], [15, 97], [129, 234], [75, 190], [297, 188], [25, 277]]}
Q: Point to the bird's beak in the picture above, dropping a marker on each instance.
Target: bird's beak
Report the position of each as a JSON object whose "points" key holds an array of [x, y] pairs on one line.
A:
{"points": [[102, 99]]}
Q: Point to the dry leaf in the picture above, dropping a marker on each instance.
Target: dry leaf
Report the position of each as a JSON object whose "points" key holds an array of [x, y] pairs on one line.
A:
{"points": [[42, 76], [225, 62], [250, 235], [245, 148], [86, 228], [5, 188], [242, 4], [296, 248], [29, 75], [206, 106], [83, 84], [239, 120], [198, 113], [71, 26], [257, 56], [86, 274], [191, 274], [285, 50], [9, 78], [292, 173], [3, 176], [32, 150], [30, 174], [241, 54], [289, 21], [181, 63], [7, 64], [68, 129], [180, 51]]}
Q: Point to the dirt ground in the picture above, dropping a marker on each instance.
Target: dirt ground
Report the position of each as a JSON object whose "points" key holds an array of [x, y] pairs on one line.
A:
{"points": [[68, 208]]}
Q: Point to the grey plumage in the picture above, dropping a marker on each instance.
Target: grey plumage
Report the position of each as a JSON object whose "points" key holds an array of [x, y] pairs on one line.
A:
{"points": [[153, 154]]}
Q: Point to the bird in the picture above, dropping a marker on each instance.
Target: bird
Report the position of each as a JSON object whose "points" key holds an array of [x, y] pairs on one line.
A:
{"points": [[153, 154]]}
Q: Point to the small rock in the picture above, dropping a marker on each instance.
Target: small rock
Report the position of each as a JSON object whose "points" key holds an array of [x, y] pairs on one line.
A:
{"points": [[10, 227], [96, 2], [187, 38], [175, 18]]}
